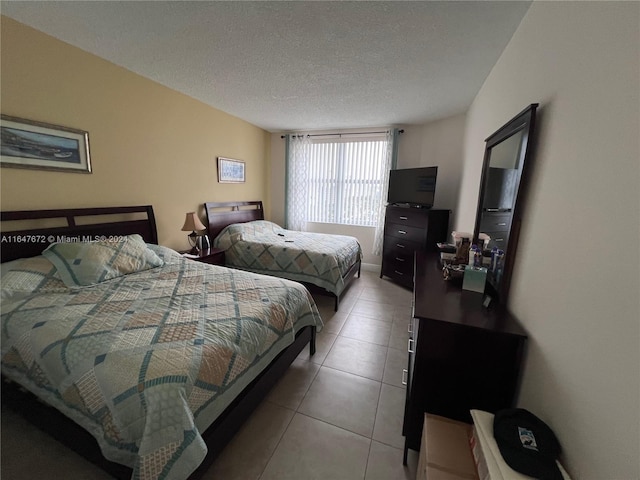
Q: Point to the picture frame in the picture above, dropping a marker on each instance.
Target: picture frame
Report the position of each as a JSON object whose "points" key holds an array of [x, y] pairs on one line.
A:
{"points": [[230, 170], [43, 146]]}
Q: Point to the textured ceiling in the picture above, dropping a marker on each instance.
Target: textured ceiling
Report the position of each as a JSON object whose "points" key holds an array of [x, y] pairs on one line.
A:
{"points": [[296, 65]]}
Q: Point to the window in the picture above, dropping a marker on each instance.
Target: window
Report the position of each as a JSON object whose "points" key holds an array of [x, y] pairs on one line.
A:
{"points": [[345, 180]]}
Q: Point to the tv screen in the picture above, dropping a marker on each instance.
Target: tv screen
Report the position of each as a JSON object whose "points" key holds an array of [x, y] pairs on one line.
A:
{"points": [[415, 187]]}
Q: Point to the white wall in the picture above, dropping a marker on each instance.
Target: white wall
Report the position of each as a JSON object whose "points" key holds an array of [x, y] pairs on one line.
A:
{"points": [[365, 236], [576, 284], [438, 143]]}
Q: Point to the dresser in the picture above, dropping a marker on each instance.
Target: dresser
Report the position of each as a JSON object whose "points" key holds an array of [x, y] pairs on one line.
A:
{"points": [[497, 225], [461, 355], [407, 230]]}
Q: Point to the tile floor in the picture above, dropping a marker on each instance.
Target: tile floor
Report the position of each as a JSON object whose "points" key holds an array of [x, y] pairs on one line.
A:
{"points": [[334, 416]]}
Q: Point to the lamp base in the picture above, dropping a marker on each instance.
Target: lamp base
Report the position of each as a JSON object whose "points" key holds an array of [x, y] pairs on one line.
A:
{"points": [[193, 241]]}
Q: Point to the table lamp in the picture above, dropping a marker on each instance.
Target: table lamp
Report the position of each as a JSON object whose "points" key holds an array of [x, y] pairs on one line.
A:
{"points": [[193, 223]]}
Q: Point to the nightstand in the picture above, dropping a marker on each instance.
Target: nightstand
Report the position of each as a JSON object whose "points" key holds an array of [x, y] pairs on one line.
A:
{"points": [[213, 256]]}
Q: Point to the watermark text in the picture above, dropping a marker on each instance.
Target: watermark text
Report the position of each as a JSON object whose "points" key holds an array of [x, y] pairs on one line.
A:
{"points": [[61, 238]]}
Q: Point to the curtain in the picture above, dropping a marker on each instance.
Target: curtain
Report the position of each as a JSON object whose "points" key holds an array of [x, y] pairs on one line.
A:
{"points": [[390, 163], [296, 151]]}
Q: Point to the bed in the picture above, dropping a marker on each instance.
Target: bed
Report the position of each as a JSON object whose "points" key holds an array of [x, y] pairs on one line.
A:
{"points": [[323, 263], [157, 366]]}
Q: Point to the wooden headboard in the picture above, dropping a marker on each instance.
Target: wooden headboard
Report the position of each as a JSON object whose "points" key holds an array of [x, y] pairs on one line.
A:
{"points": [[26, 233], [222, 214]]}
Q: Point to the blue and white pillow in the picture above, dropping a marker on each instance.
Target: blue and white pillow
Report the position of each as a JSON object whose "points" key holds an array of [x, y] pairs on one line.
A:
{"points": [[87, 263]]}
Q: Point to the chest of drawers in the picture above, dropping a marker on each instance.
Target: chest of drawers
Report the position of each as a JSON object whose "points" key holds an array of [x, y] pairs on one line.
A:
{"points": [[461, 355], [406, 231], [497, 226]]}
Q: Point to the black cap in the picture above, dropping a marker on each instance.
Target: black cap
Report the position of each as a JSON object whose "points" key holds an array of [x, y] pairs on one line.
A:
{"points": [[527, 444]]}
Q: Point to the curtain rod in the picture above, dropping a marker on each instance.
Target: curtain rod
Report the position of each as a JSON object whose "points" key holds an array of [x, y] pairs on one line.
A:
{"points": [[341, 134]]}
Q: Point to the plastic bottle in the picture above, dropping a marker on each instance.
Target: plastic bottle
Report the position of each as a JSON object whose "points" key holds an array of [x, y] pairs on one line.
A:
{"points": [[499, 265], [472, 255], [492, 265], [477, 259]]}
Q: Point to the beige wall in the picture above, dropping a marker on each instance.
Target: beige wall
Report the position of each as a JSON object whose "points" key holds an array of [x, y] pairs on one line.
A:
{"points": [[576, 282], [149, 144], [277, 179]]}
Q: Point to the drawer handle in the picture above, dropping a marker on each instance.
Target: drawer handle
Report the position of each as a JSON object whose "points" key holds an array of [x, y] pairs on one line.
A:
{"points": [[403, 218], [498, 239], [400, 259], [399, 273], [402, 232], [405, 373], [503, 224], [410, 346], [399, 245], [410, 327]]}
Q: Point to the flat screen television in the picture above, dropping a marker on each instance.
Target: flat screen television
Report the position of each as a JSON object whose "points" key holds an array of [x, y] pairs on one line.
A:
{"points": [[413, 187]]}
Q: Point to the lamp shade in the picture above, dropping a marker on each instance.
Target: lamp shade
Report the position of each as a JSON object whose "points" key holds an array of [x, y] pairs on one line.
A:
{"points": [[192, 223]]}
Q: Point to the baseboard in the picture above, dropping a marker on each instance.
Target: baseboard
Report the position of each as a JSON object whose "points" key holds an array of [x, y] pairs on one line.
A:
{"points": [[370, 267]]}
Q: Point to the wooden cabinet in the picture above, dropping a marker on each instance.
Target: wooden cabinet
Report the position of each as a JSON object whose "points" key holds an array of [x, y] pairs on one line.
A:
{"points": [[212, 256], [497, 226], [407, 230], [461, 355]]}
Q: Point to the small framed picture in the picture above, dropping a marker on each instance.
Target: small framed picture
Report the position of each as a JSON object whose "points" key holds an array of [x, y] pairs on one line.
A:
{"points": [[230, 171], [30, 144]]}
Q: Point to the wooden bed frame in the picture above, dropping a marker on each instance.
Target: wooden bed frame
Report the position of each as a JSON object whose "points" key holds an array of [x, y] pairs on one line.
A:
{"points": [[23, 242], [223, 214]]}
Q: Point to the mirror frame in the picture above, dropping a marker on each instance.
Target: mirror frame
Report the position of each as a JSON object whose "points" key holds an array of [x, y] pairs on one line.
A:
{"points": [[523, 122]]}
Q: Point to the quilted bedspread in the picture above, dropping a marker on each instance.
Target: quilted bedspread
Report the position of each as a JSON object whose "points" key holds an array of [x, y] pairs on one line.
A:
{"points": [[264, 247], [148, 360]]}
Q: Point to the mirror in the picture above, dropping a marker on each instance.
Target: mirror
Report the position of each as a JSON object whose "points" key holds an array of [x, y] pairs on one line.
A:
{"points": [[500, 205]]}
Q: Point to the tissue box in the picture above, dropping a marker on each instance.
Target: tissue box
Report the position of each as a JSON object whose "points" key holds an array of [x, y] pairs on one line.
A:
{"points": [[474, 279]]}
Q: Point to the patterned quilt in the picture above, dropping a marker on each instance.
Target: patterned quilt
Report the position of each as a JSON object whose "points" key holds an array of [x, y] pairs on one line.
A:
{"points": [[148, 360], [263, 247]]}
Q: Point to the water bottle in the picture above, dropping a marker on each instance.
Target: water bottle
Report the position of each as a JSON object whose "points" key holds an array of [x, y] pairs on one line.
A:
{"points": [[472, 255], [494, 259], [499, 265], [477, 258]]}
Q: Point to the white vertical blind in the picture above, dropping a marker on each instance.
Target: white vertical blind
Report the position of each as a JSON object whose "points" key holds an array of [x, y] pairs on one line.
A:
{"points": [[345, 182]]}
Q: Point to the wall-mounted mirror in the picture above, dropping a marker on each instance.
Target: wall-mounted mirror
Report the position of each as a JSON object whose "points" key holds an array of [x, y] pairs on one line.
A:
{"points": [[500, 205]]}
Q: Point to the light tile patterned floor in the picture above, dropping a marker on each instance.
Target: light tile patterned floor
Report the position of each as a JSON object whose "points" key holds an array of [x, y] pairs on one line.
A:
{"points": [[334, 416]]}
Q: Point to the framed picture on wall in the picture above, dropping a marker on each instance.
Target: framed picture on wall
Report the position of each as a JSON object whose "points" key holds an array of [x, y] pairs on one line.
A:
{"points": [[31, 144], [230, 171]]}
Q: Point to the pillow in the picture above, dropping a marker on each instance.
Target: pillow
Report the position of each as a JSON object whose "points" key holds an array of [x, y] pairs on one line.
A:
{"points": [[28, 275], [88, 263], [166, 254]]}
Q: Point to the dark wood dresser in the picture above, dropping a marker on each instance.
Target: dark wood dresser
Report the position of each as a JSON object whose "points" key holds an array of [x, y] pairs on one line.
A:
{"points": [[407, 230], [462, 355], [497, 225]]}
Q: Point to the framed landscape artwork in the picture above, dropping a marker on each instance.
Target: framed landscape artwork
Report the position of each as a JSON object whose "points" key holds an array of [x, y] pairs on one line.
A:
{"points": [[37, 145], [230, 171]]}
